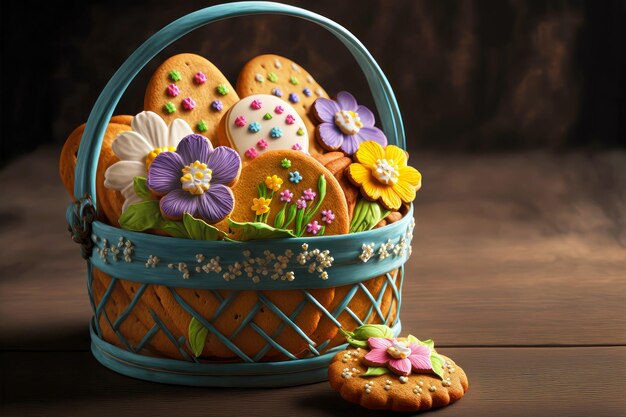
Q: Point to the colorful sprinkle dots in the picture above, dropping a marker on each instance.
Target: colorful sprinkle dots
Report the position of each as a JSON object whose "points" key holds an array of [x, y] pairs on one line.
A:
{"points": [[319, 92], [174, 75], [279, 109], [173, 90], [199, 78], [256, 104], [202, 126], [240, 121], [285, 163], [297, 147], [169, 108], [277, 63], [307, 92], [300, 132], [293, 97], [295, 67], [222, 89], [259, 77], [217, 105], [290, 119], [277, 92], [262, 144], [189, 103], [272, 77], [254, 127], [295, 177], [276, 133], [251, 153], [267, 116], [309, 79], [293, 80]]}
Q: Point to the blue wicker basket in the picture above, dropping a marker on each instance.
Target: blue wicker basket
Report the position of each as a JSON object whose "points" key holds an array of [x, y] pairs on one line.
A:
{"points": [[367, 268]]}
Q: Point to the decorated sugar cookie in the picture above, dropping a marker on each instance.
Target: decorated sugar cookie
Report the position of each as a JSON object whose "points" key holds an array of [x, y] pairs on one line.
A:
{"points": [[262, 123], [283, 78], [191, 88], [379, 371]]}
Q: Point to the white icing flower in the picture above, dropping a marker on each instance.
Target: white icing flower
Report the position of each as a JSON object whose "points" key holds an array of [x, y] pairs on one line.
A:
{"points": [[138, 148]]}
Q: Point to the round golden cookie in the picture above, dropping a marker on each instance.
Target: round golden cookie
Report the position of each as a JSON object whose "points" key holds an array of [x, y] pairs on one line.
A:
{"points": [[189, 87], [280, 76], [109, 202], [419, 391]]}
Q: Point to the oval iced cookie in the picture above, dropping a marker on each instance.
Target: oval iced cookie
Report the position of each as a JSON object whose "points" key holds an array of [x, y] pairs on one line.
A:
{"points": [[262, 123], [189, 87], [283, 78]]}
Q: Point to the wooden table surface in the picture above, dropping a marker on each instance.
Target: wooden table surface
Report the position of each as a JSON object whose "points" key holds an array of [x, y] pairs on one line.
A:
{"points": [[518, 273]]}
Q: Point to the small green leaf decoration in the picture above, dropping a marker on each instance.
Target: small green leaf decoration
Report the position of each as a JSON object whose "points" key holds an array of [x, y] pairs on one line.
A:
{"points": [[200, 230], [299, 222], [291, 214], [173, 228], [375, 371], [279, 219], [197, 336], [257, 230], [437, 362], [141, 216], [367, 214], [372, 330], [140, 185], [357, 343]]}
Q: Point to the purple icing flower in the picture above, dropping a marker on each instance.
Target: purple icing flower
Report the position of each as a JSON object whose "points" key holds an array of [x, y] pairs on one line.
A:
{"points": [[300, 204], [328, 216], [313, 227], [346, 124], [195, 179], [286, 196], [308, 194]]}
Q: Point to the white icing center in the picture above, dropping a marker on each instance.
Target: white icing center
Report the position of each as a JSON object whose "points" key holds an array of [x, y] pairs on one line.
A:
{"points": [[348, 121], [399, 351], [196, 178], [385, 172]]}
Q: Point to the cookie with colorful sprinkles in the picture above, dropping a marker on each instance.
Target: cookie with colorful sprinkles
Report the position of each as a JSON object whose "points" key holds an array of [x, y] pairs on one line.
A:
{"points": [[281, 77], [382, 372], [189, 87]]}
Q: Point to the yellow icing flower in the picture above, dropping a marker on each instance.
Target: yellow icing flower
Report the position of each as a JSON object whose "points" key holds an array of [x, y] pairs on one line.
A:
{"points": [[261, 205], [273, 183], [382, 174]]}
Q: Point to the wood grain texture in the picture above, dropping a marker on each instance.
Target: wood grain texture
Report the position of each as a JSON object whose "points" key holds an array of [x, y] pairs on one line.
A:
{"points": [[503, 382]]}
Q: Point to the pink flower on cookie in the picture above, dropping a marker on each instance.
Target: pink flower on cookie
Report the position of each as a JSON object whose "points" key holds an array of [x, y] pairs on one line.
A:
{"points": [[399, 356]]}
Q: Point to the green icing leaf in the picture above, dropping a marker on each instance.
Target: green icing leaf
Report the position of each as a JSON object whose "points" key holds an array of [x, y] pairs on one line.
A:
{"points": [[279, 219], [437, 362], [197, 336], [375, 371], [299, 222], [199, 229], [357, 343], [367, 214], [142, 216], [372, 330], [174, 229], [140, 185], [291, 214], [257, 230]]}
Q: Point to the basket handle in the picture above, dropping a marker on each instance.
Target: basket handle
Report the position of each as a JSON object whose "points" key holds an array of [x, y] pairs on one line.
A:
{"points": [[89, 151]]}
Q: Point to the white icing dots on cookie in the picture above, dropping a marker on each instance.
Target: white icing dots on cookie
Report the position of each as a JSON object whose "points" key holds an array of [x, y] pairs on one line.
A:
{"points": [[259, 77], [278, 64], [295, 67]]}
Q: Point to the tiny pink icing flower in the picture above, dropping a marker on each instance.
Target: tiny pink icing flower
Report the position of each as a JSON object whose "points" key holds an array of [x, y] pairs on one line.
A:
{"points": [[251, 153], [308, 194], [199, 78], [262, 144], [173, 90], [297, 147], [241, 121], [286, 196], [313, 227], [328, 216], [300, 204], [400, 357], [290, 119], [279, 109], [189, 103], [256, 104]]}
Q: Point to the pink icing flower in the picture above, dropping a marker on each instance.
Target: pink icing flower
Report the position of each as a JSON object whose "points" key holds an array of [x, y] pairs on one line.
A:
{"points": [[300, 204], [297, 147], [256, 104], [313, 227], [173, 90], [240, 121], [262, 144], [400, 357], [199, 78], [290, 119], [189, 103], [286, 196], [328, 216], [251, 153], [279, 109], [308, 194]]}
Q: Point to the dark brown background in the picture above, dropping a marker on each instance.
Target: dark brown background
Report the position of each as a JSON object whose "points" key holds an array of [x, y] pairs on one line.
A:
{"points": [[469, 75]]}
